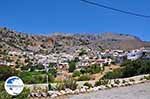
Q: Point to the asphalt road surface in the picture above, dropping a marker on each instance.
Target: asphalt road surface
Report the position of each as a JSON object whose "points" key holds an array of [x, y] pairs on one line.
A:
{"points": [[140, 91]]}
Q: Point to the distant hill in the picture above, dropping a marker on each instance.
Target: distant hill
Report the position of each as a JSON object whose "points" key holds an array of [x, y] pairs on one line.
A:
{"points": [[12, 40]]}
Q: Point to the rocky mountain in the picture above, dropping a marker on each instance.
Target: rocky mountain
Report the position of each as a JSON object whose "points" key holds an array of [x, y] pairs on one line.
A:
{"points": [[12, 40], [16, 41]]}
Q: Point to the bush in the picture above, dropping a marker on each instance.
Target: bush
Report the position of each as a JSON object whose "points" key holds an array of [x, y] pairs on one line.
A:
{"points": [[6, 72], [53, 71], [88, 85], [60, 86], [101, 82], [129, 69], [51, 78], [113, 74], [24, 94], [69, 83], [84, 78], [35, 77], [76, 73], [137, 67], [83, 71], [72, 66], [50, 87], [5, 95], [93, 69]]}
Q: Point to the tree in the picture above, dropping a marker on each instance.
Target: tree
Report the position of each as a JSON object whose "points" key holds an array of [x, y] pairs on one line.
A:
{"points": [[72, 66], [6, 72], [130, 68]]}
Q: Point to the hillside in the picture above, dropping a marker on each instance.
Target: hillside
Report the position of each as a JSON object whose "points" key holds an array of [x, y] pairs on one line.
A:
{"points": [[16, 41]]}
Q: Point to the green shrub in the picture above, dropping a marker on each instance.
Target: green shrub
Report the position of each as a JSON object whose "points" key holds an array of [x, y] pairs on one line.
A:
{"points": [[93, 69], [76, 73], [113, 74], [83, 71], [51, 78], [60, 86], [84, 78], [53, 71], [72, 66], [51, 87], [5, 95], [35, 77], [129, 69], [88, 85], [69, 83], [101, 82], [137, 67], [24, 94], [6, 72]]}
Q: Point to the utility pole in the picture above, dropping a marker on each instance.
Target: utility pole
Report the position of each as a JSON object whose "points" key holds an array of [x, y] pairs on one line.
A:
{"points": [[47, 77]]}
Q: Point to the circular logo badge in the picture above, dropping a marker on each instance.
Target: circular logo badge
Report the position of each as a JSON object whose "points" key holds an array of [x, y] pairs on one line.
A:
{"points": [[14, 85]]}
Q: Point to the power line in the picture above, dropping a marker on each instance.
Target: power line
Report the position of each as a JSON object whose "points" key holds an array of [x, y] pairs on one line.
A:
{"points": [[115, 9]]}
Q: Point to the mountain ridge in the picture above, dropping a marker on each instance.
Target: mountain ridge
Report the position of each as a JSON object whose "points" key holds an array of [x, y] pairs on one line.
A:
{"points": [[12, 40]]}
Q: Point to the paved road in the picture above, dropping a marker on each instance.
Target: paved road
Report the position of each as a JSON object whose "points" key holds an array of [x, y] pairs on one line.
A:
{"points": [[140, 91]]}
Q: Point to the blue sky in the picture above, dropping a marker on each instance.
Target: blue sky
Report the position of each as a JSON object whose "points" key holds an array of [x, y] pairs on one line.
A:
{"points": [[73, 16]]}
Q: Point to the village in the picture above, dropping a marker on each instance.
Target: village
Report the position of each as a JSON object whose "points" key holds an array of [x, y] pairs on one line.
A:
{"points": [[84, 58], [42, 73]]}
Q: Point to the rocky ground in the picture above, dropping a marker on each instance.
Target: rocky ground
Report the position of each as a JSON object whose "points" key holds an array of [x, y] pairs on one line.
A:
{"points": [[140, 91]]}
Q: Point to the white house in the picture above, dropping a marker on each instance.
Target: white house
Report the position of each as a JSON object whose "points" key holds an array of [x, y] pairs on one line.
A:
{"points": [[134, 54]]}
